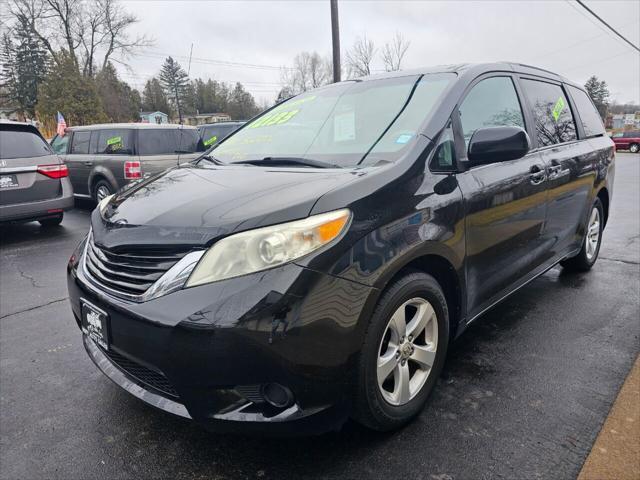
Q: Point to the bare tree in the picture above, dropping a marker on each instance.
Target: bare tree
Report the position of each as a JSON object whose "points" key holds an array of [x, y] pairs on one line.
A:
{"points": [[359, 57], [86, 31], [393, 52], [309, 71]]}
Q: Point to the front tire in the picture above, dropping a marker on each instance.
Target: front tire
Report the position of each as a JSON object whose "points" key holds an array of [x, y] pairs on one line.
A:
{"points": [[634, 148], [592, 241], [403, 352]]}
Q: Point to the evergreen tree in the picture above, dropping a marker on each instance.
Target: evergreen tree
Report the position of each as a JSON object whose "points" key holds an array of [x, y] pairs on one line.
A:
{"points": [[599, 93], [154, 98], [24, 66], [241, 105], [66, 90], [119, 102], [174, 80]]}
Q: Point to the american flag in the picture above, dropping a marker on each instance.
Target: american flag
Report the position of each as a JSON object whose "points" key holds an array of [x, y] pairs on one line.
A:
{"points": [[62, 125]]}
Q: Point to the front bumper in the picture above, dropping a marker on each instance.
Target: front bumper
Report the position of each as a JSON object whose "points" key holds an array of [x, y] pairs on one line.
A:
{"points": [[21, 212], [205, 352]]}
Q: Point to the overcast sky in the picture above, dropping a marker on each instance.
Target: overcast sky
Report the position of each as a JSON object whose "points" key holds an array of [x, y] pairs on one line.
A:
{"points": [[259, 37]]}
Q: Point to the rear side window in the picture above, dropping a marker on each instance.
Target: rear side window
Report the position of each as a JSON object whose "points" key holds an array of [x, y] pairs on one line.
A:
{"points": [[168, 141], [212, 135], [589, 116], [80, 142], [631, 134], [551, 113], [116, 141], [59, 144], [492, 102], [22, 144]]}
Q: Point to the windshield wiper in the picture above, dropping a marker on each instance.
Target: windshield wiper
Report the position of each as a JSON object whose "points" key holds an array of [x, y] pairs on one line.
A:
{"points": [[210, 158], [275, 161]]}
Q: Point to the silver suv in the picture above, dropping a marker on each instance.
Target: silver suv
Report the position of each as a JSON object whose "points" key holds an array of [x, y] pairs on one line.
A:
{"points": [[103, 158], [33, 180]]}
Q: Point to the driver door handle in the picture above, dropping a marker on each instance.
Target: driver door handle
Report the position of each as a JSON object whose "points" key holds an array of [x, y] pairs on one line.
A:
{"points": [[88, 164], [537, 174]]}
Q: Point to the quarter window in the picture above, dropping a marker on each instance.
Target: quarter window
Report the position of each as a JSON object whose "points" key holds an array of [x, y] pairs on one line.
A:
{"points": [[444, 156], [551, 113], [493, 102], [80, 142], [589, 116]]}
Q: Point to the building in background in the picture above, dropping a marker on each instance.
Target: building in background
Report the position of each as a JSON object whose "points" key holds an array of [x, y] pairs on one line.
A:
{"points": [[154, 117], [202, 118]]}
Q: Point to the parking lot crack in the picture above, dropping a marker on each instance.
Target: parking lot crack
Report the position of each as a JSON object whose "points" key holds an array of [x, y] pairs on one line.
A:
{"points": [[30, 278], [34, 308], [628, 262]]}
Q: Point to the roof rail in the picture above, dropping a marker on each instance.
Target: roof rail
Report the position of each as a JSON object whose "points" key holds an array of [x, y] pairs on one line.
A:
{"points": [[535, 68]]}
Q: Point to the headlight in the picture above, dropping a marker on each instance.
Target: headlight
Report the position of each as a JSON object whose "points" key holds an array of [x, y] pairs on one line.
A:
{"points": [[268, 247], [102, 206]]}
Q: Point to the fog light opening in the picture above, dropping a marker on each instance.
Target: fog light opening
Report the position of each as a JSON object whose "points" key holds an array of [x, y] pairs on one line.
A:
{"points": [[276, 395]]}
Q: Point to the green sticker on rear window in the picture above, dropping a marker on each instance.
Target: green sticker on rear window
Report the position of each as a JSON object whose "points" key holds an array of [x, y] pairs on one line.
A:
{"points": [[114, 140], [211, 141], [558, 108]]}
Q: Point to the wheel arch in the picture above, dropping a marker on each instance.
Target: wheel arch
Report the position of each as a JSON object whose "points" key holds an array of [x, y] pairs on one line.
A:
{"points": [[101, 173], [442, 269]]}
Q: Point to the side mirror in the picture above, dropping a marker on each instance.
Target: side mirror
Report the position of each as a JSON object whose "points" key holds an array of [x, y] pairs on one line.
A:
{"points": [[497, 144]]}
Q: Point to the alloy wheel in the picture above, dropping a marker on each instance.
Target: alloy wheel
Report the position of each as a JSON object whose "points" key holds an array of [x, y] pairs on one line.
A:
{"points": [[102, 192], [593, 234], [407, 351]]}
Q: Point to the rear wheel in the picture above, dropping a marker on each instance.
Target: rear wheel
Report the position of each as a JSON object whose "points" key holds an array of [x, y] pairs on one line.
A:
{"points": [[101, 190], [634, 148], [403, 352], [51, 221], [591, 245]]}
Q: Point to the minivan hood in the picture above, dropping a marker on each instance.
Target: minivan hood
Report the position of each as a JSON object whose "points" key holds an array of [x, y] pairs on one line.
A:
{"points": [[193, 204]]}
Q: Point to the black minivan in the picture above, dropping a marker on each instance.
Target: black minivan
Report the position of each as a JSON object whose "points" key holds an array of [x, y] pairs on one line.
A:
{"points": [[315, 265]]}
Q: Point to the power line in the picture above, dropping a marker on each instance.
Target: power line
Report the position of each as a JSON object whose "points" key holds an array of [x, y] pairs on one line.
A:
{"points": [[606, 24]]}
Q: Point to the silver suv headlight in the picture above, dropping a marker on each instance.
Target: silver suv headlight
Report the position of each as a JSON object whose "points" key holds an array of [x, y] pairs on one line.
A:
{"points": [[268, 247]]}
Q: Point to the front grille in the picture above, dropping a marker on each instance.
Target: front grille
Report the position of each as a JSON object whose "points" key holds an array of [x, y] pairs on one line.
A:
{"points": [[129, 273], [142, 374]]}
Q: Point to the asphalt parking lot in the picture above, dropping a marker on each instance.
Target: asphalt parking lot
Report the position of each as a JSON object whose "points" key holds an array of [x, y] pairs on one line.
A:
{"points": [[524, 393]]}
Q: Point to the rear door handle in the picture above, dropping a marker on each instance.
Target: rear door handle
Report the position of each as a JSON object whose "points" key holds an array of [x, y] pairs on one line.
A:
{"points": [[537, 175], [554, 170], [88, 164]]}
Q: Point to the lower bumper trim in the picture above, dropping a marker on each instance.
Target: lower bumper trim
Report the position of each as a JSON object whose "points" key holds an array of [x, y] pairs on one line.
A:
{"points": [[120, 379]]}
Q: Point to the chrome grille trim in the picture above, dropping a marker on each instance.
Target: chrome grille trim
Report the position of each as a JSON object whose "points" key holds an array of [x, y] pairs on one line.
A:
{"points": [[106, 274]]}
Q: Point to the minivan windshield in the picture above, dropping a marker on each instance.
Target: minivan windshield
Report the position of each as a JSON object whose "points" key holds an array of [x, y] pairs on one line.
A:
{"points": [[345, 125]]}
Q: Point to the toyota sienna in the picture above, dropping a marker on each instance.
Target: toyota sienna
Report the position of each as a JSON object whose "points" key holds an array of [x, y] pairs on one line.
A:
{"points": [[315, 265]]}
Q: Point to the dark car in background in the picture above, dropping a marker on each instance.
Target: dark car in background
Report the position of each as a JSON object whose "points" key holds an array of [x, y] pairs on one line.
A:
{"points": [[103, 158], [316, 265], [627, 141], [34, 183], [212, 133]]}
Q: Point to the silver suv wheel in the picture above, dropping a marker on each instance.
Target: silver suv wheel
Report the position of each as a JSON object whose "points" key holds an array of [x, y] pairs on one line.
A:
{"points": [[407, 351]]}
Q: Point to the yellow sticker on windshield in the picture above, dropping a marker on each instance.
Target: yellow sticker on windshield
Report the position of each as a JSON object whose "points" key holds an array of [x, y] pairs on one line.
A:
{"points": [[211, 141], [558, 108], [274, 118]]}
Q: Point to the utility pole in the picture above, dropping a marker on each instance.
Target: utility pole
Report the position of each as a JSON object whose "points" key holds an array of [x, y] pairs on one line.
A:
{"points": [[335, 37]]}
